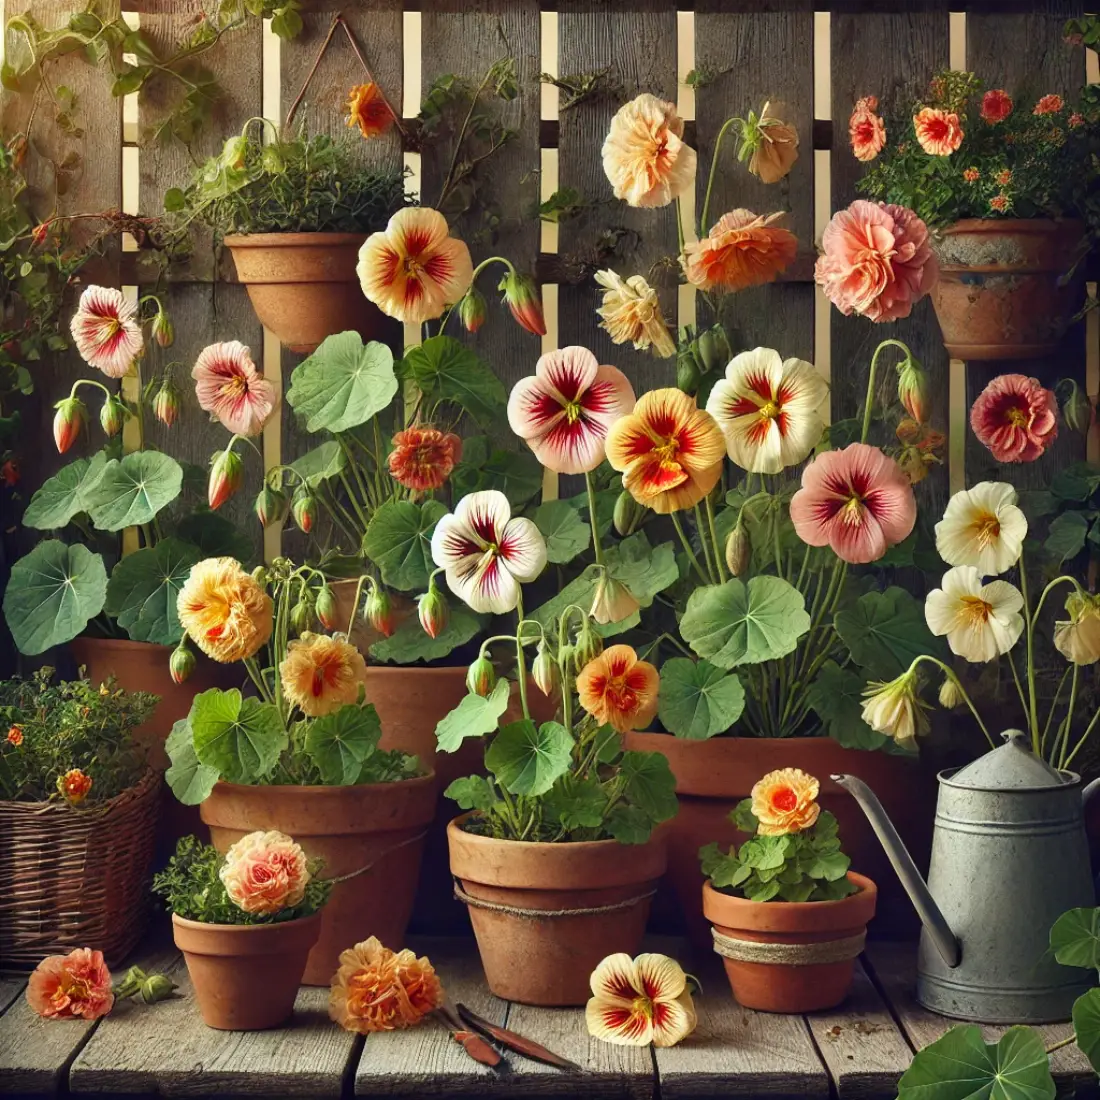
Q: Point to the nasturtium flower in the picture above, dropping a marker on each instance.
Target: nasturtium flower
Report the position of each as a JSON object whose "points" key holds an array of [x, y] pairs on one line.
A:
{"points": [[1015, 417], [894, 709], [423, 457], [980, 621], [106, 331], [983, 527], [1078, 637], [618, 690], [644, 157], [742, 249], [630, 313], [322, 673], [866, 130], [229, 386], [939, 133], [640, 1001], [785, 801], [367, 108], [376, 989], [224, 610], [72, 986], [265, 873], [74, 786]]}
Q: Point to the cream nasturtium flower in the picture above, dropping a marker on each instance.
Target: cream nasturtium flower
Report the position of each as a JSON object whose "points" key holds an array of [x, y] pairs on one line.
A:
{"points": [[895, 709], [631, 313], [980, 621], [644, 157], [640, 1001], [982, 527], [1078, 638]]}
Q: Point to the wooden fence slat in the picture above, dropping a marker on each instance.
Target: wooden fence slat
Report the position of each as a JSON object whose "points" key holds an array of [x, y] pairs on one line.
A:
{"points": [[754, 57], [10, 990]]}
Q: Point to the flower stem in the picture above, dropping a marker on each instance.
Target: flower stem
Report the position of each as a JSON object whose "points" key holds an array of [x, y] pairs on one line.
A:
{"points": [[521, 660], [687, 548], [1029, 627], [870, 399], [713, 172], [719, 557], [950, 674], [590, 488], [708, 560]]}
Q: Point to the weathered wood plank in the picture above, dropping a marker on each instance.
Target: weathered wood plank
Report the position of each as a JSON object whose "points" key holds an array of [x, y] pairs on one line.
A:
{"points": [[1024, 54], [750, 58], [861, 1045], [10, 990], [897, 53], [893, 966]]}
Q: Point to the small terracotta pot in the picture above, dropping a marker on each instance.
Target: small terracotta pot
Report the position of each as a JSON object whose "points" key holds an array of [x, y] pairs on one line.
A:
{"points": [[303, 286], [548, 960], [1000, 293], [791, 987], [380, 826], [713, 776], [246, 977]]}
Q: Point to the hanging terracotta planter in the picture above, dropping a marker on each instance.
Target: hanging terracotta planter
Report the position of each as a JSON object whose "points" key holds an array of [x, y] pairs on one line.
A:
{"points": [[595, 897], [303, 286], [246, 977], [376, 829], [1003, 291], [790, 957]]}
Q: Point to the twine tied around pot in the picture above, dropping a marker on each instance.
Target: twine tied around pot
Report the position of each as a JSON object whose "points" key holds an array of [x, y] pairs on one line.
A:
{"points": [[788, 954], [378, 858], [548, 914]]}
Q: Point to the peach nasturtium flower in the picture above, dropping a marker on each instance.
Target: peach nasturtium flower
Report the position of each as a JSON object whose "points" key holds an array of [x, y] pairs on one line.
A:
{"points": [[893, 708], [423, 457], [265, 873], [322, 673], [742, 249], [775, 147], [669, 452], [1078, 637], [939, 133], [640, 1001], [630, 313], [644, 158], [619, 690], [866, 130], [413, 269], [224, 610], [367, 108], [376, 989], [72, 986], [106, 331], [229, 386], [74, 786], [785, 801]]}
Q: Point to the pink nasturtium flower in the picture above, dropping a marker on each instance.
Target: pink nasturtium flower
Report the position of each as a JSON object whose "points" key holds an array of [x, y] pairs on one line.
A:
{"points": [[231, 388], [866, 130], [73, 986], [1016, 417], [423, 457], [265, 872], [106, 331]]}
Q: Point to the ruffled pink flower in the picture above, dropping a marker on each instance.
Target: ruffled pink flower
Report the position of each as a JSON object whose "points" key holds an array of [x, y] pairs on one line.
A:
{"points": [[566, 408], [106, 331], [265, 873], [996, 105], [1015, 417], [230, 388], [73, 986], [866, 130], [1048, 105], [856, 500], [939, 133], [876, 261]]}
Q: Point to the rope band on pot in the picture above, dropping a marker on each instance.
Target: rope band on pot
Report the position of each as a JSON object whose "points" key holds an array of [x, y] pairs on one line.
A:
{"points": [[378, 858], [788, 954], [547, 914]]}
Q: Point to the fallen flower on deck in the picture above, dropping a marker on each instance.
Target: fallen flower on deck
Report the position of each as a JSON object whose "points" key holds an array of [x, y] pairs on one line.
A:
{"points": [[640, 1001], [377, 989]]}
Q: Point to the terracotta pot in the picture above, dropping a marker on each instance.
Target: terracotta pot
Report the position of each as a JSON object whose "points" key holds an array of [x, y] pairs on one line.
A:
{"points": [[713, 776], [547, 961], [1000, 292], [792, 986], [303, 286], [380, 826], [362, 635], [246, 977]]}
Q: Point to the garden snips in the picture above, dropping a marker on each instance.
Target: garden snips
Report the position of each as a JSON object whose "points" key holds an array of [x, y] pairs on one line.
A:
{"points": [[472, 1032]]}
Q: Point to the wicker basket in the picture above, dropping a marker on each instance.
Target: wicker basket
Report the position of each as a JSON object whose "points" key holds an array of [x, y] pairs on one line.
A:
{"points": [[76, 878]]}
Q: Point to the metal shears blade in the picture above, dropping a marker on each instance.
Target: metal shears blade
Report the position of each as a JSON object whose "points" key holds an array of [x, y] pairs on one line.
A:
{"points": [[469, 1039], [515, 1042]]}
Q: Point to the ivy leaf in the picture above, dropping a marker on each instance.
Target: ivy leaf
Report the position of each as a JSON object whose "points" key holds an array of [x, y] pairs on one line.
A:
{"points": [[885, 631], [52, 593], [242, 738], [576, 803], [64, 495], [132, 490], [1086, 1026], [410, 642], [188, 779], [528, 759], [698, 700], [516, 474], [343, 383], [734, 624], [475, 716], [320, 464], [649, 784], [339, 742], [444, 369], [1066, 537], [566, 534], [1075, 938], [472, 792], [399, 541], [836, 696]]}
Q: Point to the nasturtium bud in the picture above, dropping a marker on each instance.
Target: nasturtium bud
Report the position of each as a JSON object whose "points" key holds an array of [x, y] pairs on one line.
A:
{"points": [[433, 611], [163, 330], [301, 615], [521, 295], [712, 349], [627, 515], [738, 550], [326, 608], [226, 474], [304, 510], [471, 310], [913, 389], [378, 611], [1077, 409], [950, 695], [67, 422], [166, 403], [112, 415], [182, 663], [157, 987], [544, 670], [270, 505], [481, 677], [688, 375], [589, 646]]}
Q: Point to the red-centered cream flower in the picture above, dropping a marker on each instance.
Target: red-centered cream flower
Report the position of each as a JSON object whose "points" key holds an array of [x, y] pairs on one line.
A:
{"points": [[644, 158], [1048, 105], [414, 269], [320, 674], [631, 314], [106, 331], [224, 610], [423, 458], [743, 249], [265, 873], [74, 786], [769, 410], [564, 411], [982, 527], [618, 690], [231, 388], [996, 106], [640, 1001], [1016, 417], [980, 621], [367, 108], [866, 130], [72, 986], [785, 801], [938, 132], [669, 452], [486, 553], [376, 989], [876, 261], [856, 500]]}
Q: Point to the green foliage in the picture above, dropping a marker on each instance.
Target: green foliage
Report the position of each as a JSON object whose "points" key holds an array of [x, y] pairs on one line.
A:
{"points": [[527, 759], [399, 541], [192, 888], [1086, 1026], [566, 534], [885, 631], [447, 372], [485, 465], [1075, 938], [697, 699], [65, 494], [475, 716], [144, 588], [836, 697], [133, 490], [65, 725], [411, 642]]}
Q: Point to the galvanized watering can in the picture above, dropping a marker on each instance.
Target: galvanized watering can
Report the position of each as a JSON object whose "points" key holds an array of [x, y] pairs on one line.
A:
{"points": [[1009, 856]]}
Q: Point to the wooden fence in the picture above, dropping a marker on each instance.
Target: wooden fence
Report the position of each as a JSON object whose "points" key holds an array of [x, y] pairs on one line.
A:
{"points": [[754, 51]]}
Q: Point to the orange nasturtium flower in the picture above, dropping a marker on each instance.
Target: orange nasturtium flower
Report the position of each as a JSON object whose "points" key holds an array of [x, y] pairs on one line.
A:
{"points": [[72, 986], [785, 801], [618, 689], [640, 1001], [367, 108], [224, 610], [321, 674], [74, 786], [376, 989]]}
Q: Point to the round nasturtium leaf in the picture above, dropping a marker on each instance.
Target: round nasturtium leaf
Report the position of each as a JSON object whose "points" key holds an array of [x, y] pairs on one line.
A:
{"points": [[145, 586], [242, 738], [338, 743], [698, 700], [64, 495], [399, 541], [133, 489], [1075, 938], [528, 759]]}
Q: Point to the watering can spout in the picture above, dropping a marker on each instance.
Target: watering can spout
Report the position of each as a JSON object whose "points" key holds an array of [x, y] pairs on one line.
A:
{"points": [[938, 930]]}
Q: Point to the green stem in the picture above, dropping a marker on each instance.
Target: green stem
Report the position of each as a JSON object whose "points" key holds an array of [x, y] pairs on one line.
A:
{"points": [[680, 225], [521, 660], [950, 674], [703, 217], [590, 488], [1081, 743], [719, 556], [1054, 703], [1029, 626], [708, 559], [364, 580], [687, 548], [870, 400]]}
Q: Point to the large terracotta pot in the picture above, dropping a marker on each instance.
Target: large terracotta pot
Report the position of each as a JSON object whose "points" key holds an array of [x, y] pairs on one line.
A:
{"points": [[303, 286], [246, 977], [713, 776], [376, 829], [791, 957], [547, 960], [1001, 294]]}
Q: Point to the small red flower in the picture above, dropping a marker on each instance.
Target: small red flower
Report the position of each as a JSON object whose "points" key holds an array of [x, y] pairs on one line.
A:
{"points": [[996, 105], [999, 203], [74, 786], [1075, 120], [423, 458], [972, 175], [40, 232], [9, 473], [15, 736], [1048, 105], [1015, 417], [1004, 177]]}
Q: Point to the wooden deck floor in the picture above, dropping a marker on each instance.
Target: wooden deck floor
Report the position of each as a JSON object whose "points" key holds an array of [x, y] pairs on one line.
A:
{"points": [[857, 1052]]}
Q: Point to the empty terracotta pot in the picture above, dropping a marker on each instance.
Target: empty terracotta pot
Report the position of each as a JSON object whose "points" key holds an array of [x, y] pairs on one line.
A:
{"points": [[246, 977], [303, 286], [791, 957], [596, 897], [374, 828], [1002, 291]]}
